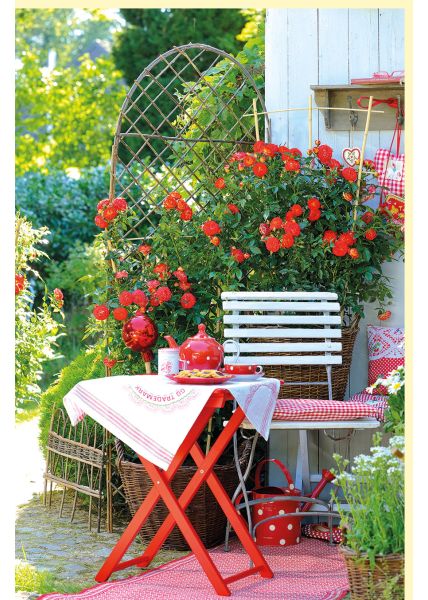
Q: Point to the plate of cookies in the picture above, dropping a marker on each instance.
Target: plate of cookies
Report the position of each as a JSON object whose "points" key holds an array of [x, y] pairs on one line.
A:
{"points": [[200, 377]]}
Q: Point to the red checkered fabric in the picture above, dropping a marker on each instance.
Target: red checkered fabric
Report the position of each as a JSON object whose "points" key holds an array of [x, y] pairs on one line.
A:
{"points": [[365, 397], [325, 410], [320, 531], [392, 165]]}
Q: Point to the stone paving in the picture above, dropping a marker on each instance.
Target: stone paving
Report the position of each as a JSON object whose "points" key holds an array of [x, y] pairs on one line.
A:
{"points": [[69, 551]]}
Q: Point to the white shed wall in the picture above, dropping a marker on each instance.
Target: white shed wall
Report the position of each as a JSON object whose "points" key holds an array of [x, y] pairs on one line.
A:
{"points": [[305, 47]]}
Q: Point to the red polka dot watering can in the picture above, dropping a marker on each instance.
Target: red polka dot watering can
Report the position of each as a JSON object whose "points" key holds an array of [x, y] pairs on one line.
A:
{"points": [[284, 531]]}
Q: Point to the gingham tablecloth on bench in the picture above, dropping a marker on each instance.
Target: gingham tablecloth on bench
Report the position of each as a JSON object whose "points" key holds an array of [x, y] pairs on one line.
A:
{"points": [[329, 410]]}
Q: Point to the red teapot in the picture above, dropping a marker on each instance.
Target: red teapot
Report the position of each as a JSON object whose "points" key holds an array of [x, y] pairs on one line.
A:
{"points": [[199, 352]]}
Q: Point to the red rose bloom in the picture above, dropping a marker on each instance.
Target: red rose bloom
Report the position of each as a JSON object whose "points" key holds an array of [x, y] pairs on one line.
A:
{"points": [[353, 253], [367, 217], [296, 210], [100, 222], [289, 216], [295, 152], [180, 274], [276, 223], [102, 204], [121, 274], [233, 209], [181, 204], [349, 174], [58, 295], [292, 227], [220, 183], [184, 285], [292, 165], [215, 240], [139, 298], [152, 284], [175, 195], [264, 229], [273, 244], [347, 237], [324, 153], [161, 269], [237, 255], [249, 160], [188, 300], [329, 236], [154, 300], [120, 204], [19, 283], [384, 316], [270, 150], [340, 248], [314, 215], [370, 234], [259, 146], [145, 249], [109, 362], [125, 298], [186, 214], [314, 203], [334, 164], [101, 312], [164, 293], [287, 240], [120, 314], [211, 228], [110, 213], [170, 203], [260, 169]]}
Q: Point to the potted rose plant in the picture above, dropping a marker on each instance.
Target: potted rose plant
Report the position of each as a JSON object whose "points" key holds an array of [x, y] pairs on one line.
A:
{"points": [[373, 489]]}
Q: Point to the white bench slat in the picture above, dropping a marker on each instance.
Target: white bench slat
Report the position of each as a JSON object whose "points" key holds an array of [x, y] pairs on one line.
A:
{"points": [[282, 320], [319, 359], [279, 296], [282, 333], [283, 306], [296, 347]]}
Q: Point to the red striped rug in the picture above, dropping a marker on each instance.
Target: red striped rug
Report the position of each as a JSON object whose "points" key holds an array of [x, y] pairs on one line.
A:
{"points": [[311, 570]]}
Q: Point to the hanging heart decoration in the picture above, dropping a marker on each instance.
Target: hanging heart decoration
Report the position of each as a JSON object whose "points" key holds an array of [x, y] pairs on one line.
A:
{"points": [[351, 155]]}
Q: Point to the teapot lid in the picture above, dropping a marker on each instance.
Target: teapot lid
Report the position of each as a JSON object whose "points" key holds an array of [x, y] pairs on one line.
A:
{"points": [[202, 334]]}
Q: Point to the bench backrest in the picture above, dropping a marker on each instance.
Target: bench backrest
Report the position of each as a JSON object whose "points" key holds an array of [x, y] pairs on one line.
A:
{"points": [[283, 328]]}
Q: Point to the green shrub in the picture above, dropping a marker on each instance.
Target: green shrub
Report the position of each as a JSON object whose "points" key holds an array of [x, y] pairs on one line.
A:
{"points": [[63, 204], [36, 328], [87, 365]]}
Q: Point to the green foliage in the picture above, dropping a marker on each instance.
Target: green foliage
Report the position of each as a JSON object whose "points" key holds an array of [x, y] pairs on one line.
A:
{"points": [[65, 114], [87, 365], [36, 329], [63, 204], [150, 32], [374, 490]]}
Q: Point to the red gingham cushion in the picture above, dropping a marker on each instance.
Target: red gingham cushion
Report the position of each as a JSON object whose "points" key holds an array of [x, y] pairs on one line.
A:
{"points": [[386, 351], [324, 410]]}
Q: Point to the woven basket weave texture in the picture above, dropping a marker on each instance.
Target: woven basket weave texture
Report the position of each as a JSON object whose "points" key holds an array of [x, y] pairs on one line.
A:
{"points": [[204, 512]]}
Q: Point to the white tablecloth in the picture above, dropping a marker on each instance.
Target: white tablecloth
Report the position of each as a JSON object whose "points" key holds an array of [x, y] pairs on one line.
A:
{"points": [[153, 415]]}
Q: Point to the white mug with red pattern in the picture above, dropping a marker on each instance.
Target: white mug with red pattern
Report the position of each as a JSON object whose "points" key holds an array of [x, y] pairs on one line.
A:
{"points": [[168, 361]]}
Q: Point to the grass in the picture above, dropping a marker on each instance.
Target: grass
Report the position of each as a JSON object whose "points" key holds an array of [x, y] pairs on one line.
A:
{"points": [[29, 579]]}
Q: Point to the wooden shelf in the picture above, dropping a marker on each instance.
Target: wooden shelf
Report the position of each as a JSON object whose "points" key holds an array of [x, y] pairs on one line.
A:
{"points": [[337, 96]]}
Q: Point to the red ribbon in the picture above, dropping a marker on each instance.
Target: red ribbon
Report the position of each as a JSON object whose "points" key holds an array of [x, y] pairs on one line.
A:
{"points": [[392, 102]]}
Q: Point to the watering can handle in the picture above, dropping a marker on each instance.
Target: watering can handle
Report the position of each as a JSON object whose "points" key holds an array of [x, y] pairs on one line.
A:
{"points": [[283, 468], [240, 496]]}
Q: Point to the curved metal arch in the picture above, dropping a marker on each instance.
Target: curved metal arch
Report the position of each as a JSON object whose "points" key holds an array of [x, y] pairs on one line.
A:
{"points": [[155, 153]]}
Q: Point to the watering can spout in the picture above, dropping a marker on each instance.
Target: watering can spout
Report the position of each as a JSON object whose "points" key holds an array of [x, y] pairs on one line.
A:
{"points": [[171, 341]]}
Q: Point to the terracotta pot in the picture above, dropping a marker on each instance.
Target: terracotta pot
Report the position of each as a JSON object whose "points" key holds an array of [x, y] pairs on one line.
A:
{"points": [[366, 583]]}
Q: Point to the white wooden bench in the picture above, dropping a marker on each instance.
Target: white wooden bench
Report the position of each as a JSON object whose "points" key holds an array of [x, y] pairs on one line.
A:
{"points": [[251, 316]]}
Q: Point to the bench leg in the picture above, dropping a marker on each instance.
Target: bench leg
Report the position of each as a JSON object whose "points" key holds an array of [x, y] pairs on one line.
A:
{"points": [[302, 479]]}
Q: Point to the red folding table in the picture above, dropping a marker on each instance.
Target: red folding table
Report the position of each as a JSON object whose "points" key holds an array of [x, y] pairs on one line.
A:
{"points": [[177, 506]]}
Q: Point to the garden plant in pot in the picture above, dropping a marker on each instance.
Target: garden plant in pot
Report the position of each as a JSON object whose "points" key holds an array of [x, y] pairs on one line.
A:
{"points": [[275, 220], [373, 549]]}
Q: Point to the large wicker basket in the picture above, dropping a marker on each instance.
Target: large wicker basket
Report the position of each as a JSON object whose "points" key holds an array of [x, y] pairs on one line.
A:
{"points": [[311, 373], [204, 512], [386, 580]]}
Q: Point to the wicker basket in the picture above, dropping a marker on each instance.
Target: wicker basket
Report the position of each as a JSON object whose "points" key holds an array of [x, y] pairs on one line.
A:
{"points": [[385, 581], [297, 373], [204, 512]]}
